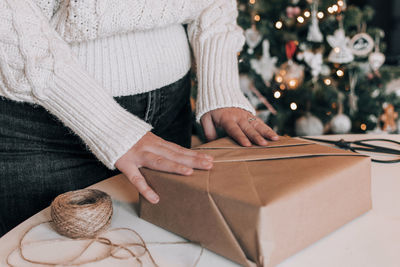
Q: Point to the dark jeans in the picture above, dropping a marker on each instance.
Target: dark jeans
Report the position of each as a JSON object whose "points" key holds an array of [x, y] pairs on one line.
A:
{"points": [[40, 158]]}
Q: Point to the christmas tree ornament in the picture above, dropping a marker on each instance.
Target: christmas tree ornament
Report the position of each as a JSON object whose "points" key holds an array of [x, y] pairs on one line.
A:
{"points": [[361, 44], [292, 12], [314, 33], [364, 68], [290, 49], [372, 118], [253, 94], [325, 70], [315, 62], [253, 38], [353, 98], [377, 58], [290, 74], [245, 85], [340, 124], [389, 118], [309, 125], [393, 88], [341, 53], [263, 100], [266, 65], [375, 93]]}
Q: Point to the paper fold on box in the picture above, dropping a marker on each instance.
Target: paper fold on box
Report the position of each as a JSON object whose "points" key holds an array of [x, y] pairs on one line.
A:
{"points": [[259, 205]]}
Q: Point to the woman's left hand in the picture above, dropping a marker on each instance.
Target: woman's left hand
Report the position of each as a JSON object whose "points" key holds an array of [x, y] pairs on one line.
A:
{"points": [[240, 124]]}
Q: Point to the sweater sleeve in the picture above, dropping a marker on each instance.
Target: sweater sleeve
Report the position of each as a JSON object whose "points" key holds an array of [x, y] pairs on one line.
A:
{"points": [[216, 39], [37, 66]]}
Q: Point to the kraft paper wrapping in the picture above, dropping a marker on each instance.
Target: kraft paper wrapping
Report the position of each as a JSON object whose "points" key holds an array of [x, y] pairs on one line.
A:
{"points": [[259, 205]]}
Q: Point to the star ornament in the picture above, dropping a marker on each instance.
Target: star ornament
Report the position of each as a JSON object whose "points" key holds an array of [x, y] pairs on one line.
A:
{"points": [[266, 65], [315, 62]]}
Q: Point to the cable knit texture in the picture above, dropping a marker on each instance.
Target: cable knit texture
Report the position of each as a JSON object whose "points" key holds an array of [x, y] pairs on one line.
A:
{"points": [[73, 56], [216, 39]]}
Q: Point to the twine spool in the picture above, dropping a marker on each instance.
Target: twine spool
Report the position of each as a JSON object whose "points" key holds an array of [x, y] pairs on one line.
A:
{"points": [[84, 215], [81, 213]]}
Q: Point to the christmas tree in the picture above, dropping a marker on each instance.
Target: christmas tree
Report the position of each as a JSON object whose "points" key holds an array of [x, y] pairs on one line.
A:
{"points": [[312, 67]]}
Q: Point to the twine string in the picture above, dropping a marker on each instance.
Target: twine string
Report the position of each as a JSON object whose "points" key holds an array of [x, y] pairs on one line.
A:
{"points": [[85, 215]]}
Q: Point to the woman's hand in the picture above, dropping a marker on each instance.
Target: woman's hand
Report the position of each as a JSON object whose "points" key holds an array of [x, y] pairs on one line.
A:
{"points": [[240, 124], [155, 153]]}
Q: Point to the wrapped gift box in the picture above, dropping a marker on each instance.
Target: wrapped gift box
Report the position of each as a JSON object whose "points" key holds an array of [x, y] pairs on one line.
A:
{"points": [[260, 205]]}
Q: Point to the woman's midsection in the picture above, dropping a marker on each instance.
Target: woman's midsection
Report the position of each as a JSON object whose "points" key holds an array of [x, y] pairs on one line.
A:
{"points": [[137, 62]]}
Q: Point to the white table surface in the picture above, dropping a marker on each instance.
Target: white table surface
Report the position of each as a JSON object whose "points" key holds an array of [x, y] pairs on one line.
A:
{"points": [[372, 240]]}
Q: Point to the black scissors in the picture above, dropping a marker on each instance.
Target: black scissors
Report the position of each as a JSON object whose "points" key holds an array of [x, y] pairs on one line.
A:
{"points": [[364, 145]]}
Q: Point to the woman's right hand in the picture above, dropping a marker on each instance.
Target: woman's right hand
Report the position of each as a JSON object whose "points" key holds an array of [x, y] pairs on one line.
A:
{"points": [[155, 153]]}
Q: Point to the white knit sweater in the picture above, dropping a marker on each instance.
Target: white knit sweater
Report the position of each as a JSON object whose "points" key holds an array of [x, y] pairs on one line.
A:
{"points": [[73, 56]]}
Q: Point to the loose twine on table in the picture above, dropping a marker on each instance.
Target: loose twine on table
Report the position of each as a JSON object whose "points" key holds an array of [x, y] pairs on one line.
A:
{"points": [[84, 215]]}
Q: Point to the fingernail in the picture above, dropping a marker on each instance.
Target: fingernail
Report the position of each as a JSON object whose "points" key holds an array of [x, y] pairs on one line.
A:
{"points": [[206, 163], [208, 157], [263, 142], [154, 198], [186, 170], [275, 137]]}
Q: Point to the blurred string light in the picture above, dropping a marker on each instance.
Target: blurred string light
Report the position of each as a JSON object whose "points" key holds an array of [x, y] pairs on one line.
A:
{"points": [[293, 106], [339, 73], [252, 2], [257, 18], [307, 14], [320, 15], [300, 19], [278, 79], [363, 127], [293, 83], [336, 7], [277, 94], [278, 25], [328, 81]]}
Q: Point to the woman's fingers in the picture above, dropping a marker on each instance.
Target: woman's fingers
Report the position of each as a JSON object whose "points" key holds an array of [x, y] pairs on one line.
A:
{"points": [[184, 151], [198, 161], [233, 129], [240, 124], [137, 179], [157, 154], [266, 131], [161, 163], [181, 155], [208, 127], [249, 129]]}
